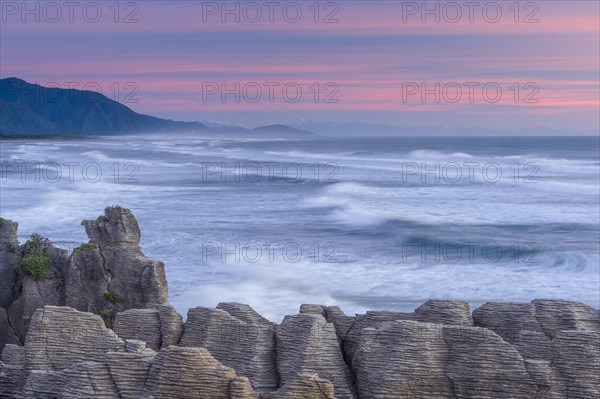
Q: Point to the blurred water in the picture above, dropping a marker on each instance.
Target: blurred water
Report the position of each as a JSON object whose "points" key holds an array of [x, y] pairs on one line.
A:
{"points": [[362, 223]]}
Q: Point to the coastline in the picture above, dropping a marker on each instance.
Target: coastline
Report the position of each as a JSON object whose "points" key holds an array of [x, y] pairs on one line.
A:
{"points": [[97, 323]]}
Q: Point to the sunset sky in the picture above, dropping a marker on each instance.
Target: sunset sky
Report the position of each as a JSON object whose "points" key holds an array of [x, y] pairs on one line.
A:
{"points": [[373, 55]]}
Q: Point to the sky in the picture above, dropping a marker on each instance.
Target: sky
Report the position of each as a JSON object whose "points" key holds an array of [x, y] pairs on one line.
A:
{"points": [[502, 64]]}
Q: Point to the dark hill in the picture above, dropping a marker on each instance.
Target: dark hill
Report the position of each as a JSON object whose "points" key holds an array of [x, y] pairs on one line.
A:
{"points": [[29, 109]]}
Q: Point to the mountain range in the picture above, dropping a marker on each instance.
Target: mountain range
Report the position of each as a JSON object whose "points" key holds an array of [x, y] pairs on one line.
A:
{"points": [[28, 109], [32, 110]]}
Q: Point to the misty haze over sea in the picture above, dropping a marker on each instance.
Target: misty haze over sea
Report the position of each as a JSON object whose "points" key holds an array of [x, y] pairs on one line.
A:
{"points": [[363, 223]]}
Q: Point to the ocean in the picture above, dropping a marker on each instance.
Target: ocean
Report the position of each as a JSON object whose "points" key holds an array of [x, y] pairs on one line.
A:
{"points": [[361, 223]]}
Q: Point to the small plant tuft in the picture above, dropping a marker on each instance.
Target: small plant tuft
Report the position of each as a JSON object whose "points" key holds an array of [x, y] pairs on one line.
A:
{"points": [[35, 243], [88, 246], [109, 312], [106, 312], [114, 298], [10, 247], [36, 264], [33, 260], [1, 221]]}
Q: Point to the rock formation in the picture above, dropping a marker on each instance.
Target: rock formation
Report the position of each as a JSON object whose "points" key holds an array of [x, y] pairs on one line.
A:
{"points": [[32, 276], [542, 331], [238, 337], [140, 348], [9, 246], [113, 273], [105, 276], [306, 343], [349, 329]]}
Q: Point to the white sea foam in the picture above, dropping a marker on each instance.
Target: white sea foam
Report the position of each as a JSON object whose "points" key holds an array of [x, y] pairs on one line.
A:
{"points": [[368, 214]]}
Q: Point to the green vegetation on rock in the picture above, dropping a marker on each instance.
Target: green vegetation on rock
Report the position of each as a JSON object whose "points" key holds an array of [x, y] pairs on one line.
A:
{"points": [[34, 261], [10, 247], [35, 243], [109, 311], [87, 246], [36, 264], [113, 298]]}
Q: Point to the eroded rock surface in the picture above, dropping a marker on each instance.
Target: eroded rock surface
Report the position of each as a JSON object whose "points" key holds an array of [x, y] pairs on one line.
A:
{"points": [[307, 343], [305, 386], [113, 274], [192, 373], [9, 247], [559, 340], [105, 276], [432, 311], [71, 354], [140, 347], [425, 360], [238, 337]]}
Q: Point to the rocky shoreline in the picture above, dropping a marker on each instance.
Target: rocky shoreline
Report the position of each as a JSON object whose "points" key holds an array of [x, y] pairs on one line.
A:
{"points": [[96, 323]]}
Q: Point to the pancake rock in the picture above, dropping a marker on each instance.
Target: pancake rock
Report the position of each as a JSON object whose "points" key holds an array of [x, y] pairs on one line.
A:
{"points": [[542, 331], [306, 343], [238, 337], [111, 274], [121, 339], [72, 354], [432, 311], [105, 276], [425, 360]]}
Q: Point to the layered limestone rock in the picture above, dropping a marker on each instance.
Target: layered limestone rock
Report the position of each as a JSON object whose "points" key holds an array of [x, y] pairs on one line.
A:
{"points": [[140, 347], [557, 316], [60, 340], [171, 325], [12, 363], [9, 257], [30, 290], [307, 343], [111, 274], [482, 365], [432, 311], [534, 330], [35, 293], [107, 275], [305, 386], [140, 324], [518, 325], [7, 333], [424, 360], [451, 313], [333, 314], [129, 369], [61, 337], [531, 327], [88, 380], [70, 354], [192, 373], [238, 337], [577, 359], [416, 355], [159, 327], [549, 381]]}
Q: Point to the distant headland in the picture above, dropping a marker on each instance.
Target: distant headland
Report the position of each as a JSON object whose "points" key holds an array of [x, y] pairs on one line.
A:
{"points": [[31, 111]]}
